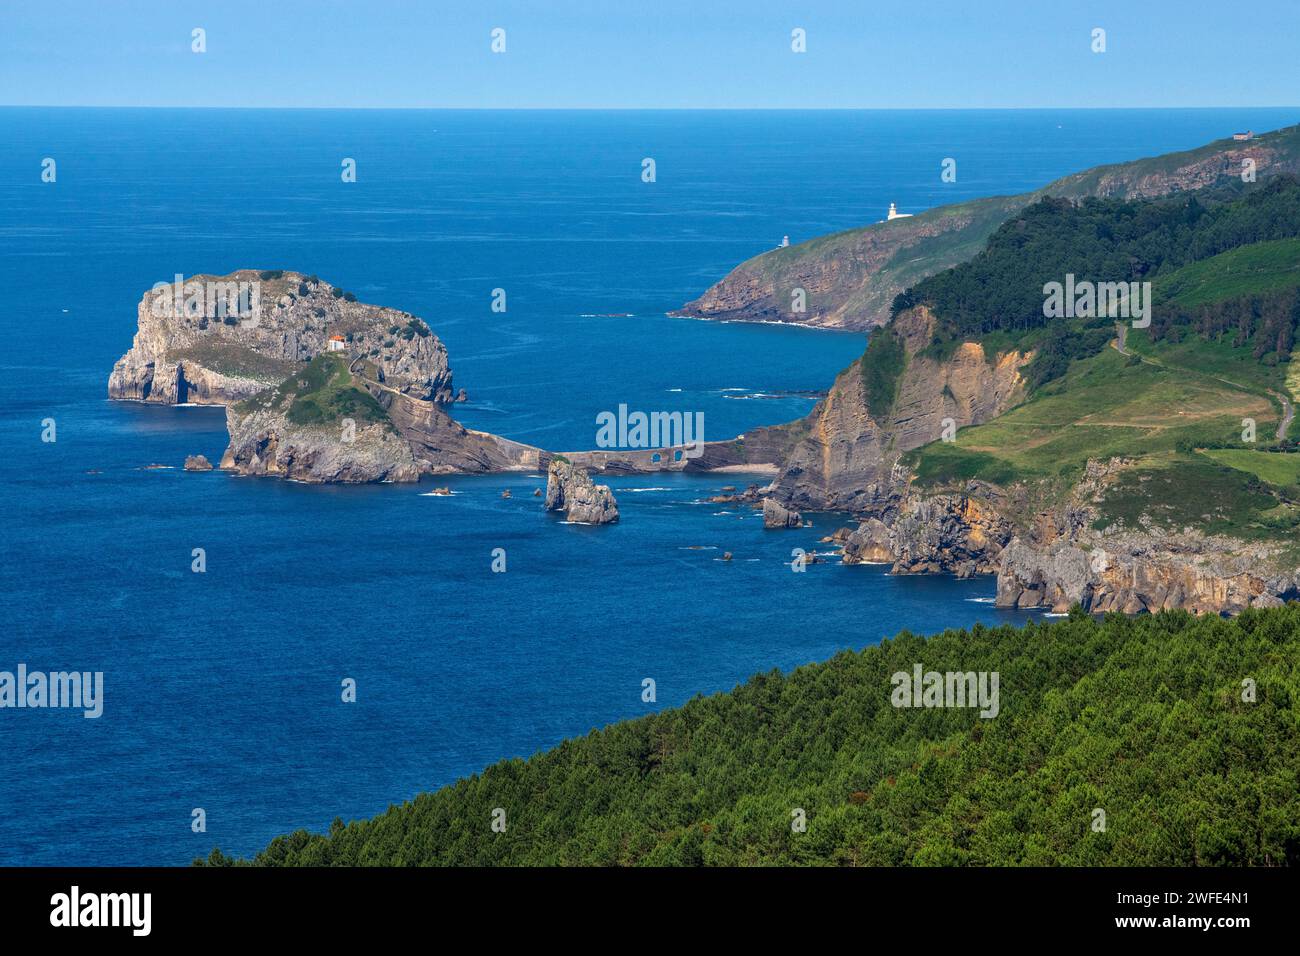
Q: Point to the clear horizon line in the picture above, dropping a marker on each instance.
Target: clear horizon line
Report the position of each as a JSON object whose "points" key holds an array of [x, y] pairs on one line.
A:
{"points": [[647, 109]]}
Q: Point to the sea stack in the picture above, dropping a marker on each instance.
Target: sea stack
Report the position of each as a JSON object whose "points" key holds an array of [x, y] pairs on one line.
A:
{"points": [[777, 515], [571, 490]]}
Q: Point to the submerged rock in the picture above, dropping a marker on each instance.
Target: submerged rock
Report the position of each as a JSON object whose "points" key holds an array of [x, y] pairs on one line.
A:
{"points": [[571, 490]]}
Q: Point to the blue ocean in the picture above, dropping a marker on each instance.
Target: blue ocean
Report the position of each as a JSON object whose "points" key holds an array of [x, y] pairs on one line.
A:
{"points": [[222, 690]]}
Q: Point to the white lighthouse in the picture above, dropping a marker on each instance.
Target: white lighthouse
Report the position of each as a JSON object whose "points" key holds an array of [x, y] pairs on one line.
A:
{"points": [[895, 214]]}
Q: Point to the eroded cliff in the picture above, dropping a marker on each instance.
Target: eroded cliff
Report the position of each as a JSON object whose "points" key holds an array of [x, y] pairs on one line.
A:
{"points": [[846, 459], [849, 279], [1057, 558], [214, 340], [570, 490]]}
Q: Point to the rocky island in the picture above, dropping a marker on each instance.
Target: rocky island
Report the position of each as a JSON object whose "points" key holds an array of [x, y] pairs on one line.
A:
{"points": [[319, 387], [1132, 463], [214, 340]]}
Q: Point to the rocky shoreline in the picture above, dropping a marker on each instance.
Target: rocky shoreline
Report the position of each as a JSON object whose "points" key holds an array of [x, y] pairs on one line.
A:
{"points": [[1061, 561], [361, 410], [198, 342]]}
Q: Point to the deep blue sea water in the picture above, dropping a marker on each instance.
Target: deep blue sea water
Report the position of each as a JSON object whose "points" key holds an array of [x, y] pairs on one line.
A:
{"points": [[222, 690]]}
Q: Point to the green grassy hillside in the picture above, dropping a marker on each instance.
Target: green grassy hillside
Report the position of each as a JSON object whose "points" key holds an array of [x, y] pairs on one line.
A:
{"points": [[232, 359], [1225, 269], [1257, 268], [1166, 418], [1211, 358], [321, 392], [1277, 468], [1142, 719], [1107, 405]]}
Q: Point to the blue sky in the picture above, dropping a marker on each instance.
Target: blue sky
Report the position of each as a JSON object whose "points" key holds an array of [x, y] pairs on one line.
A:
{"points": [[650, 53]]}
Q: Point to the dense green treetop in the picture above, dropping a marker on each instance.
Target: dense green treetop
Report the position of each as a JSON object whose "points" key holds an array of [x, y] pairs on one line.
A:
{"points": [[998, 296], [1147, 719]]}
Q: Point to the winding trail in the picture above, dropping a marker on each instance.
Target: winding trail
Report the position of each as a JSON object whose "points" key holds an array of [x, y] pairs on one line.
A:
{"points": [[1120, 344], [1288, 413]]}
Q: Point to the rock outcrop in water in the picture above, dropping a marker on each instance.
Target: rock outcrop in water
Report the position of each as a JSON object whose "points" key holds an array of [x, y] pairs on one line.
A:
{"points": [[214, 340], [960, 534], [777, 515], [571, 491], [197, 463], [956, 534]]}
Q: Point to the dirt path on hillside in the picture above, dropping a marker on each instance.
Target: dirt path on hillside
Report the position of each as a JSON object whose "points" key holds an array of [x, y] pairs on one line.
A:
{"points": [[1120, 344]]}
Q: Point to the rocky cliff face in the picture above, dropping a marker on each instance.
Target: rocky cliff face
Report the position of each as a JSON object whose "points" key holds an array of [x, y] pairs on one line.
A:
{"points": [[776, 515], [394, 438], [442, 446], [264, 442], [847, 459], [215, 340], [1142, 572], [956, 534], [1055, 559], [571, 490], [1063, 559], [850, 279], [961, 534]]}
